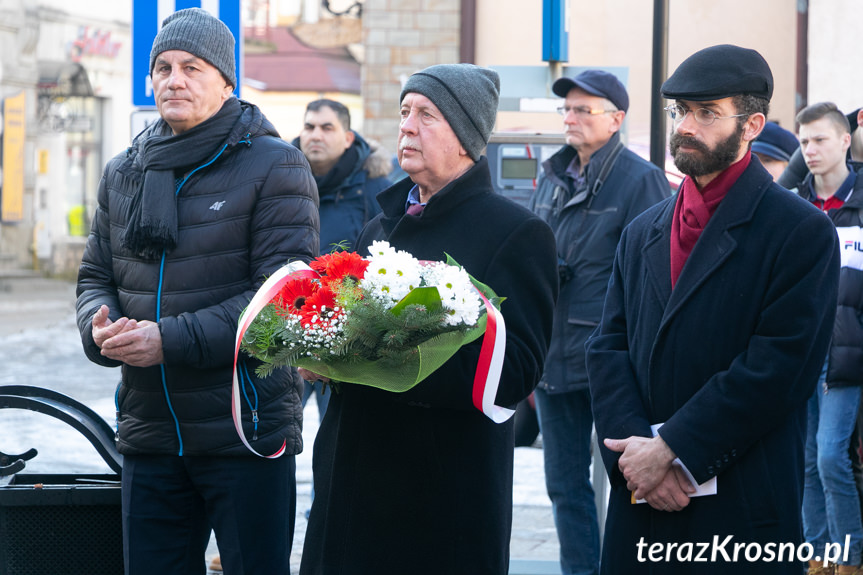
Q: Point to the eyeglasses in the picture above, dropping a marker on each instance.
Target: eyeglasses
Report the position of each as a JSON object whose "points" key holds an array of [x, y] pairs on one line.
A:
{"points": [[583, 111], [703, 116]]}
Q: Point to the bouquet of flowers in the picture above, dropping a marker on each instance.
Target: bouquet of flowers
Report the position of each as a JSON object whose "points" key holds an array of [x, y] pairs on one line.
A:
{"points": [[387, 321]]}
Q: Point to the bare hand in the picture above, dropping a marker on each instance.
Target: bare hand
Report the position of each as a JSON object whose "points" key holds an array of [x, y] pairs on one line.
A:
{"points": [[139, 347], [311, 375], [672, 493], [644, 462], [104, 328]]}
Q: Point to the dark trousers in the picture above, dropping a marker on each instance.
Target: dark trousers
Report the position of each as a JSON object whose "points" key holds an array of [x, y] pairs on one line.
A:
{"points": [[170, 503]]}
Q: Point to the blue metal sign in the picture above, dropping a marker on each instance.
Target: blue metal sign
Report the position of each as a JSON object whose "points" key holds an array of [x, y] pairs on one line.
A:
{"points": [[555, 30], [147, 17]]}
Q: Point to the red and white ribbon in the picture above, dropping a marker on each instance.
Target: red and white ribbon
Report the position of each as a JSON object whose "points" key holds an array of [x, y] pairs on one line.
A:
{"points": [[490, 366], [486, 380], [266, 293]]}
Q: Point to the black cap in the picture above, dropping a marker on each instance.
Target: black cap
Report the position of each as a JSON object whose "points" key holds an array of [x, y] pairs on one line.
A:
{"points": [[597, 83], [720, 72], [775, 142]]}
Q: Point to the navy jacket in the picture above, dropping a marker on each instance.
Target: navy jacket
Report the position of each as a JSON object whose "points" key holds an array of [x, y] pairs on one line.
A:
{"points": [[421, 482], [727, 361], [587, 232], [845, 359], [240, 217], [348, 204]]}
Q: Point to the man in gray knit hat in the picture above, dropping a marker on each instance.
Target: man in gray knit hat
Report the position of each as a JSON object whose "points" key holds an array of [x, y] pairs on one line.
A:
{"points": [[205, 205], [420, 482]]}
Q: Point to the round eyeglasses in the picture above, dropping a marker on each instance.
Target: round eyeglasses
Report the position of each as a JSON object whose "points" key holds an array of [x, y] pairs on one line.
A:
{"points": [[703, 116]]}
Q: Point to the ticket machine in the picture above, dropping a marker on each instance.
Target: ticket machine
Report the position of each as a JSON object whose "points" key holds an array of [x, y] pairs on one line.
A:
{"points": [[515, 160]]}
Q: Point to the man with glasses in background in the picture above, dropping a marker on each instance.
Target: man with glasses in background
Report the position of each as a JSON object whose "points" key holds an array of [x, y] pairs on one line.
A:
{"points": [[588, 192], [717, 319]]}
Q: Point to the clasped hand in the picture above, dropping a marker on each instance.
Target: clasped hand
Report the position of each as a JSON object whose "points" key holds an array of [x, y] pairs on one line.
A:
{"points": [[650, 472], [135, 343], [311, 375]]}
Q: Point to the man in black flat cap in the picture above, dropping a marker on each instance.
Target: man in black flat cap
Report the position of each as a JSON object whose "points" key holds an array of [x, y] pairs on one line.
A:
{"points": [[588, 192], [718, 315]]}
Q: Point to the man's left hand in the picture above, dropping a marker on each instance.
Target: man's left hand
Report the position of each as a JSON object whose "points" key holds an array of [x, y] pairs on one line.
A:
{"points": [[644, 463], [138, 347], [672, 493]]}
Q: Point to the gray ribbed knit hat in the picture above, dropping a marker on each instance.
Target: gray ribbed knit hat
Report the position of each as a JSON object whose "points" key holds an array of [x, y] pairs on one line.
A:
{"points": [[197, 32], [466, 95]]}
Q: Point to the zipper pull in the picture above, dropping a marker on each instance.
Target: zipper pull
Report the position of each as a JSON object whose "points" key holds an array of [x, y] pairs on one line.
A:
{"points": [[255, 421]]}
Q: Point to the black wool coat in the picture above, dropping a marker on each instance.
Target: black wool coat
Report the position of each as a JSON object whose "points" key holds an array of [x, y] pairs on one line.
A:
{"points": [[727, 361], [421, 482]]}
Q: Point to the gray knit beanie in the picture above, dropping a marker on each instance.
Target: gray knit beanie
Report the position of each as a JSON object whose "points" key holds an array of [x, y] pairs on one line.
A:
{"points": [[197, 32], [467, 97]]}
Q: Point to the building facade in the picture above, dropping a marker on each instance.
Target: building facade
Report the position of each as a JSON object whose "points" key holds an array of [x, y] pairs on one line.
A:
{"points": [[403, 36], [66, 73], [65, 80]]}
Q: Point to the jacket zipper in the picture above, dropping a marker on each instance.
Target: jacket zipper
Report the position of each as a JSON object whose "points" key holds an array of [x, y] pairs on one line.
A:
{"points": [[159, 306]]}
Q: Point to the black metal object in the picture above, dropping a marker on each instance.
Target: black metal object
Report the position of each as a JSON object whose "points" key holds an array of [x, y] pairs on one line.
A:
{"points": [[659, 72], [11, 469], [60, 524], [12, 464], [66, 409]]}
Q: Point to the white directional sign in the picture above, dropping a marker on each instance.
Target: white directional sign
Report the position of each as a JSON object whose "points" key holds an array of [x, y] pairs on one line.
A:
{"points": [[147, 17]]}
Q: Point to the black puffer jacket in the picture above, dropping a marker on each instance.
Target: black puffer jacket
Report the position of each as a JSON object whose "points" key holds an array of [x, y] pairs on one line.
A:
{"points": [[241, 216], [845, 358]]}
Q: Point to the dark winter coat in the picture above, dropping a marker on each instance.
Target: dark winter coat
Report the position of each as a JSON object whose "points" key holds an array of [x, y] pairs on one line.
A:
{"points": [[241, 217], [421, 482], [727, 360], [587, 233], [845, 360], [347, 193]]}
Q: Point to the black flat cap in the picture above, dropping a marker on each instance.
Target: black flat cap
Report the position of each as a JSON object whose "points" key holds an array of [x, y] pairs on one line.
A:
{"points": [[720, 72]]}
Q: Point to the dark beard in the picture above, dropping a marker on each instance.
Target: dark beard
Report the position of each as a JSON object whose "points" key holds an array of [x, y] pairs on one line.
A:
{"points": [[705, 161]]}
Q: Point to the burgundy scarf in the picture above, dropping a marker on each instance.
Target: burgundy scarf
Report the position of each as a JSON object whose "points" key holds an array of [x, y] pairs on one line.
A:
{"points": [[694, 209]]}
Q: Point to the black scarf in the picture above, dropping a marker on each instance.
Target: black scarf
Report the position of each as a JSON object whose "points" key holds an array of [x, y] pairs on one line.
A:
{"points": [[152, 225], [333, 180]]}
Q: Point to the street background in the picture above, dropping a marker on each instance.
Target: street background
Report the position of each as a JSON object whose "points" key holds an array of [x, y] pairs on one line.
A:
{"points": [[40, 346]]}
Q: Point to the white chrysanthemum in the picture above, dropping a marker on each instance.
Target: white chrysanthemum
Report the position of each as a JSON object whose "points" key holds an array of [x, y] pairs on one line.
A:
{"points": [[456, 291], [391, 274], [463, 309], [381, 249]]}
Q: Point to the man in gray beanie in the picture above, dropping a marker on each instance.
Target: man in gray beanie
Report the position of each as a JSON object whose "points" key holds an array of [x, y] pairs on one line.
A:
{"points": [[206, 204], [197, 32], [421, 481]]}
